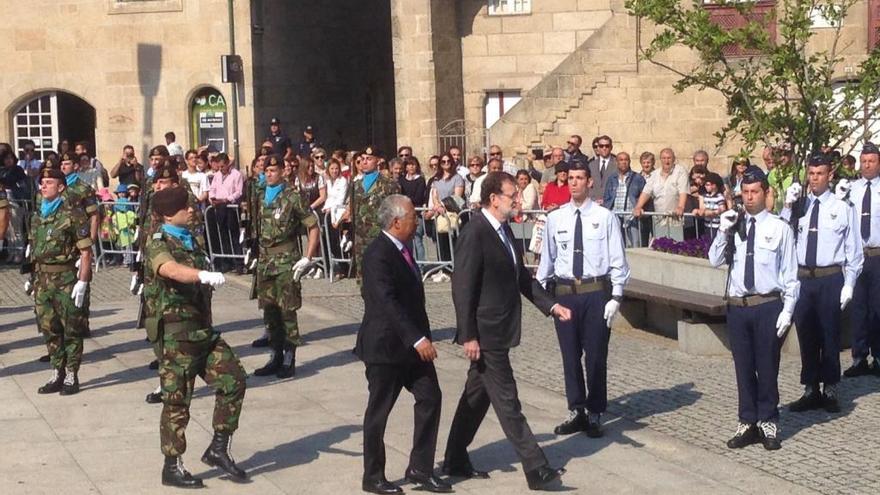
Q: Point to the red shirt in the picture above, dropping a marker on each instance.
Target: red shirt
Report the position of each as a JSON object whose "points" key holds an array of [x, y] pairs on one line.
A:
{"points": [[554, 194]]}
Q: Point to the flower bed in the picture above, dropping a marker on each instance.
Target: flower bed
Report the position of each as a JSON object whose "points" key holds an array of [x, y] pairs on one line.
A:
{"points": [[695, 248]]}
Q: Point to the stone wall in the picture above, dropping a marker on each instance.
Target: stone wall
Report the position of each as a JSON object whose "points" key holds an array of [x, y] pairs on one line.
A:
{"points": [[79, 47]]}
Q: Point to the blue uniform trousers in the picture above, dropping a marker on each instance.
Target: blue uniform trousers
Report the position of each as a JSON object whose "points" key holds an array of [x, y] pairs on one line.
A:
{"points": [[585, 336], [864, 314], [817, 319], [755, 347]]}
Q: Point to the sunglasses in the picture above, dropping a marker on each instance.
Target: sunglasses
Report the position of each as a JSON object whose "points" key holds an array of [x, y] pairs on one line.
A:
{"points": [[319, 157], [497, 153], [603, 145], [404, 155], [445, 161], [476, 164]]}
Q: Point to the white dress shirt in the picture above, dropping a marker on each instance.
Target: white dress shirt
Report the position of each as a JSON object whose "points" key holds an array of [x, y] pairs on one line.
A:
{"points": [[504, 239], [399, 246], [838, 242], [602, 241], [856, 195], [775, 259]]}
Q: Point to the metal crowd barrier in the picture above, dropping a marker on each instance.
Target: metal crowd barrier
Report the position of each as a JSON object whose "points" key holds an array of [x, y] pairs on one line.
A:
{"points": [[223, 245], [19, 225], [118, 224]]}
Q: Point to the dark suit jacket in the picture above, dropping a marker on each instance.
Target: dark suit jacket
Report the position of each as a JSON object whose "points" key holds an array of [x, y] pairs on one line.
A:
{"points": [[486, 287], [600, 180], [394, 307]]}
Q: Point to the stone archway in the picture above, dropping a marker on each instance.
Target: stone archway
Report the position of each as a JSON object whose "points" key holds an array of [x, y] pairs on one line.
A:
{"points": [[48, 117]]}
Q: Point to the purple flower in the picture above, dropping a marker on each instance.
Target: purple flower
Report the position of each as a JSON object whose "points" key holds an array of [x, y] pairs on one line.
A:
{"points": [[695, 248]]}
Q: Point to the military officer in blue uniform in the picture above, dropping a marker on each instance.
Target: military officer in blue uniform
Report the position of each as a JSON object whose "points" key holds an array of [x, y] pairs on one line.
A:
{"points": [[829, 254], [762, 292], [865, 312], [584, 260]]}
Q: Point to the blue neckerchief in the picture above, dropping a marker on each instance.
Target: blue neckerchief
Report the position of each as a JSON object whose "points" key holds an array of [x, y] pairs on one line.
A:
{"points": [[49, 207], [151, 172], [272, 192], [261, 180], [72, 178], [122, 205], [370, 179], [182, 234]]}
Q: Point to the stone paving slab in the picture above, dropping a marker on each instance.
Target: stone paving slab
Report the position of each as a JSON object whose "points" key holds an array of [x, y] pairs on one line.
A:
{"points": [[304, 435]]}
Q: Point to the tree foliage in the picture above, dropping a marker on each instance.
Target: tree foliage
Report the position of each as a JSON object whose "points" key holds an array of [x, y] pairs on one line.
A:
{"points": [[777, 89]]}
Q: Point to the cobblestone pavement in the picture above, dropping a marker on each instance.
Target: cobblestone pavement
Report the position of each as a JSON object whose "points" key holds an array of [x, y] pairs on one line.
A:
{"points": [[692, 399]]}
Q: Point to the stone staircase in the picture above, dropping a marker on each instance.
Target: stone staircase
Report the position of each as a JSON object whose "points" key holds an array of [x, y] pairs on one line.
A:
{"points": [[568, 87]]}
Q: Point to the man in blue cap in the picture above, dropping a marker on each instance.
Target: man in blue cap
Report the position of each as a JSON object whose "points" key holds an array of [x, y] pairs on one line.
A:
{"points": [[830, 259], [762, 291]]}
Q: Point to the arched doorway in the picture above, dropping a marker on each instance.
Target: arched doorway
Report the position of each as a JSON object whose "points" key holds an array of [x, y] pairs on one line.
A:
{"points": [[49, 117], [208, 119]]}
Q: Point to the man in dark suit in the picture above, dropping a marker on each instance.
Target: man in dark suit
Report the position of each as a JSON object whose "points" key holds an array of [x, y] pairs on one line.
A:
{"points": [[602, 166], [486, 286], [394, 342]]}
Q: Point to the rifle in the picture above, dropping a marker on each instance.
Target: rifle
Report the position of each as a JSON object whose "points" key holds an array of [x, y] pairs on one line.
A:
{"points": [[255, 227], [137, 265]]}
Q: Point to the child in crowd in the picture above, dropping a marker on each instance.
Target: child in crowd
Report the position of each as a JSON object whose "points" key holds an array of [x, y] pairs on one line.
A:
{"points": [[712, 202], [125, 220]]}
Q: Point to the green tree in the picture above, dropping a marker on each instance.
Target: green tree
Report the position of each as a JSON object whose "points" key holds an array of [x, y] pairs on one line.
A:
{"points": [[778, 89]]}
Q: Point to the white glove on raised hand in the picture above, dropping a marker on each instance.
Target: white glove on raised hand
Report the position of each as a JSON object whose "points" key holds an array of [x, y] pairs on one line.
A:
{"points": [[782, 323], [726, 220], [846, 295], [27, 251], [79, 293], [214, 279], [132, 287], [842, 189], [611, 308], [793, 193], [28, 287], [302, 266]]}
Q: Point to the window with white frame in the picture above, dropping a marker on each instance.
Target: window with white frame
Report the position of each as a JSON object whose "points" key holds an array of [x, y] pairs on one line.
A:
{"points": [[37, 120], [498, 103], [510, 7]]}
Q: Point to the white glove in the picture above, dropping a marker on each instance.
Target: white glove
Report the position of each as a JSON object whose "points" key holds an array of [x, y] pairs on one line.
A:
{"points": [[78, 263], [793, 193], [247, 258], [302, 266], [846, 295], [27, 251], [782, 323], [241, 237], [137, 233], [79, 293], [214, 279], [28, 287], [726, 220], [611, 308], [842, 189], [134, 284]]}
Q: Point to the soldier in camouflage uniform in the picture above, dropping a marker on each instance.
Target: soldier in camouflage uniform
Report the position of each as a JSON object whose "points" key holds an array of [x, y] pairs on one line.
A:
{"points": [[255, 187], [282, 214], [180, 294], [364, 197], [58, 236]]}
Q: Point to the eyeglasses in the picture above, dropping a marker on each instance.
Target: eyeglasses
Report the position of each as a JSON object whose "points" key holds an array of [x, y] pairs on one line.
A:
{"points": [[404, 155], [603, 145], [476, 164]]}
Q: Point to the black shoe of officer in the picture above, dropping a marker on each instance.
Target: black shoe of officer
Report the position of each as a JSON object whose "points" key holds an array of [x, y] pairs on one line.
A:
{"points": [[577, 421], [382, 487], [465, 470], [745, 435], [768, 434], [71, 384], [154, 364], [427, 481], [218, 455], [594, 425], [261, 342], [174, 474], [53, 386], [543, 477], [273, 366], [288, 363], [809, 401], [154, 397], [829, 399], [859, 368]]}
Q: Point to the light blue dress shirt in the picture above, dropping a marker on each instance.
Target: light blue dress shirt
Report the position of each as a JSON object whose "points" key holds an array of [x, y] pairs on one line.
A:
{"points": [[856, 195]]}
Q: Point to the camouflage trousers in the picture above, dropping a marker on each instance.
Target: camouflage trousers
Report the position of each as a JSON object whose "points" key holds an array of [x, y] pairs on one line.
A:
{"points": [[58, 320], [198, 353], [280, 297]]}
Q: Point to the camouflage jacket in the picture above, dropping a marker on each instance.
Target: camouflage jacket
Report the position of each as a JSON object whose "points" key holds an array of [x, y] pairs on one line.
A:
{"points": [[57, 239], [364, 207], [195, 224], [280, 223], [174, 301], [78, 195]]}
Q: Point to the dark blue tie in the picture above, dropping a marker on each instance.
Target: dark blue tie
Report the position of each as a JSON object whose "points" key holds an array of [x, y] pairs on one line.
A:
{"points": [[578, 268], [866, 212], [813, 235], [749, 277]]}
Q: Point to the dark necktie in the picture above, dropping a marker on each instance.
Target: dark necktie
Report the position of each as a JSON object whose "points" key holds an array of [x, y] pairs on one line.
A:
{"points": [[507, 243], [813, 235], [749, 277], [578, 267], [602, 167], [409, 259], [866, 212]]}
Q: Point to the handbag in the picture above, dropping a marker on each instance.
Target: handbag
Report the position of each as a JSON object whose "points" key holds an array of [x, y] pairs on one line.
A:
{"points": [[447, 222]]}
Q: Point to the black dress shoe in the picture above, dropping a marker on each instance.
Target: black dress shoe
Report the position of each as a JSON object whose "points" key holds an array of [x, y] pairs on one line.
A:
{"points": [[745, 435], [153, 398], [44, 359], [466, 470], [594, 426], [830, 403], [174, 474], [541, 478], [767, 433], [807, 402], [154, 364], [382, 486], [577, 421], [860, 368], [427, 481], [261, 342]]}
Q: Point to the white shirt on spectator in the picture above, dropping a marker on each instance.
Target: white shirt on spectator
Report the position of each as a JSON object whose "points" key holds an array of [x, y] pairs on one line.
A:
{"points": [[198, 182], [175, 149], [335, 203], [666, 190]]}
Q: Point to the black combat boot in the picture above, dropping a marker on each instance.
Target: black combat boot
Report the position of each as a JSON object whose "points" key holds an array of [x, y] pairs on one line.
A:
{"points": [[174, 474], [288, 363], [154, 397], [218, 455], [71, 383], [54, 384], [274, 364]]}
